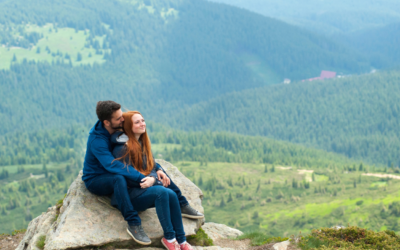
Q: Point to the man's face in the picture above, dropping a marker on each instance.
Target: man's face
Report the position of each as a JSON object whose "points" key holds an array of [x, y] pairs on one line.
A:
{"points": [[117, 120]]}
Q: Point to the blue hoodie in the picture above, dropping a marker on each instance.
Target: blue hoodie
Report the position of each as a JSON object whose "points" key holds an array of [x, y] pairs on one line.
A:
{"points": [[99, 159]]}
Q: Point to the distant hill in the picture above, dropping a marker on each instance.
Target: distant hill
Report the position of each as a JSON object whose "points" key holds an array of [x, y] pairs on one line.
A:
{"points": [[326, 17], [357, 116], [381, 44], [157, 56]]}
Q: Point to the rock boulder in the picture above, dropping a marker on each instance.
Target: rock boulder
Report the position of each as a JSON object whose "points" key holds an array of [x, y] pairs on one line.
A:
{"points": [[84, 221]]}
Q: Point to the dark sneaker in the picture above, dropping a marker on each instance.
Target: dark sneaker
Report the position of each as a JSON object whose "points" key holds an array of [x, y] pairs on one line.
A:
{"points": [[139, 235], [189, 212]]}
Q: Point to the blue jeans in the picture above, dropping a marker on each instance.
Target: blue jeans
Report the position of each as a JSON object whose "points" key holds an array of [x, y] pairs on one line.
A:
{"points": [[168, 210], [108, 184]]}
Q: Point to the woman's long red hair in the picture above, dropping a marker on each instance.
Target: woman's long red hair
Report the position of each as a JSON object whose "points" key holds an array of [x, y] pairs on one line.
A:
{"points": [[133, 148]]}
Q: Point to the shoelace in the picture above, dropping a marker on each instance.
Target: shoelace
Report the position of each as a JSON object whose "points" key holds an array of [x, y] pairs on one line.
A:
{"points": [[176, 246], [141, 232]]}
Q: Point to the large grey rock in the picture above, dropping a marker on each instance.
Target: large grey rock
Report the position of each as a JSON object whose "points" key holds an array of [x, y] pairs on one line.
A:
{"points": [[84, 221], [220, 231]]}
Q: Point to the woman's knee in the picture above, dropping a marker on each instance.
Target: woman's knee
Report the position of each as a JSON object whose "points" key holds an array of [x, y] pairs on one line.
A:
{"points": [[120, 180], [171, 194]]}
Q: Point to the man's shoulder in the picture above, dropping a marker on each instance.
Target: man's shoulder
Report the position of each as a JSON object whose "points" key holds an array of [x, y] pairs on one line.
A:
{"points": [[95, 140]]}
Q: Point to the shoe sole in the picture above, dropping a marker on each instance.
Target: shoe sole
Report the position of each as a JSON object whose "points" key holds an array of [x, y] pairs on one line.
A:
{"points": [[138, 241], [193, 216]]}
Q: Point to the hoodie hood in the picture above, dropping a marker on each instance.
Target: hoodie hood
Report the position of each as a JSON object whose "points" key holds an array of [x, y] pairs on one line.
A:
{"points": [[99, 130], [119, 137]]}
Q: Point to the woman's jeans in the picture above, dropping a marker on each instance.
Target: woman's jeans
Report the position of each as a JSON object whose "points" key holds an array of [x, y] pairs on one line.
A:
{"points": [[168, 210]]}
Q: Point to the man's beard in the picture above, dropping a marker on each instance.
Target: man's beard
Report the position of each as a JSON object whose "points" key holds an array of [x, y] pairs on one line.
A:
{"points": [[117, 127]]}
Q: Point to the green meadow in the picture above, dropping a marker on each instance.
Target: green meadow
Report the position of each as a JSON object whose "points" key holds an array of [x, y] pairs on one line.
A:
{"points": [[56, 45], [284, 200]]}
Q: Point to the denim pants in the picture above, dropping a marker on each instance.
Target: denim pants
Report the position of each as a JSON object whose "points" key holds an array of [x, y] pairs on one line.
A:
{"points": [[168, 210], [108, 184]]}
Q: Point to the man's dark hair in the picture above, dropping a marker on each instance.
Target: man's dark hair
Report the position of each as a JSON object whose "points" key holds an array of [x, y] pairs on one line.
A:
{"points": [[105, 110]]}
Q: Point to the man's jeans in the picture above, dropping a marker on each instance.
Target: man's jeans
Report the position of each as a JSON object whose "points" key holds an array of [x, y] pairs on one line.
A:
{"points": [[107, 184], [168, 210]]}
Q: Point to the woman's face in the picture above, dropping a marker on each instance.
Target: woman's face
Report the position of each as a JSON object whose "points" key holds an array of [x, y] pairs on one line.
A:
{"points": [[139, 125]]}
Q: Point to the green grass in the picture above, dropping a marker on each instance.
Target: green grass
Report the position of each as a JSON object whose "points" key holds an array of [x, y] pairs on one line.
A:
{"points": [[65, 40], [41, 242]]}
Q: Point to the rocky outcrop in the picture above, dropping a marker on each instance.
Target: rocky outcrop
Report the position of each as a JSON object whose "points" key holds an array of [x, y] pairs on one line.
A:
{"points": [[220, 231], [84, 221], [37, 228]]}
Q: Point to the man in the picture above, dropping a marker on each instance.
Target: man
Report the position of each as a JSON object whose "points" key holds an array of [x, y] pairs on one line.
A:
{"points": [[104, 176]]}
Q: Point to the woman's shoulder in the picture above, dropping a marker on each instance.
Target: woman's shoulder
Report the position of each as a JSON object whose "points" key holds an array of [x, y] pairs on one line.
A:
{"points": [[119, 137]]}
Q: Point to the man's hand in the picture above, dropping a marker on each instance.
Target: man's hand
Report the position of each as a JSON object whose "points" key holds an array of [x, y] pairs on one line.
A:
{"points": [[163, 178], [147, 182]]}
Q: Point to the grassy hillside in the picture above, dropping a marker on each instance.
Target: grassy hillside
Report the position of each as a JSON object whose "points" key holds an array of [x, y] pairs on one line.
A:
{"points": [[356, 116], [325, 16], [174, 53], [60, 45], [284, 200]]}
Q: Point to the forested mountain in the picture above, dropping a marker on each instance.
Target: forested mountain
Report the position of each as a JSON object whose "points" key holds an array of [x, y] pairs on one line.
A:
{"points": [[357, 116], [381, 45], [327, 17], [155, 56]]}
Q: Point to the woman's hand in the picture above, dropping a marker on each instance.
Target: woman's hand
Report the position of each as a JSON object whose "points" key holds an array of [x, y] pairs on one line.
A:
{"points": [[163, 178], [147, 182]]}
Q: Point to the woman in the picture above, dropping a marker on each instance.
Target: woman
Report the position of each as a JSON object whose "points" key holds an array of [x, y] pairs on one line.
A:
{"points": [[156, 190]]}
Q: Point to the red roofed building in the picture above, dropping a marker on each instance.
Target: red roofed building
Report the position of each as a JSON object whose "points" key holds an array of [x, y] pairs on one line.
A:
{"points": [[324, 75]]}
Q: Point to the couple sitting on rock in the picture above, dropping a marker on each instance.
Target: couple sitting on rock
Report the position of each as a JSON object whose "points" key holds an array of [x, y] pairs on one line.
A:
{"points": [[121, 164]]}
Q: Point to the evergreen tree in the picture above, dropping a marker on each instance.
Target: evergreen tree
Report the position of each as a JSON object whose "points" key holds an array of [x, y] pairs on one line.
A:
{"points": [[229, 198], [79, 57], [60, 176], [222, 204], [265, 169], [200, 181]]}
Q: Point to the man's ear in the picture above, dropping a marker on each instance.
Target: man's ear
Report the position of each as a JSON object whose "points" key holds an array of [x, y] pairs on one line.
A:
{"points": [[107, 123]]}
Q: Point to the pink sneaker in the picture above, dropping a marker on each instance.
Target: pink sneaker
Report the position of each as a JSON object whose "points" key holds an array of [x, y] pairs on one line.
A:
{"points": [[170, 246], [186, 246]]}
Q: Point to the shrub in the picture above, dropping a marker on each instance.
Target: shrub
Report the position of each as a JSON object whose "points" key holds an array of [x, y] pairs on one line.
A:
{"points": [[41, 242], [200, 239], [354, 238]]}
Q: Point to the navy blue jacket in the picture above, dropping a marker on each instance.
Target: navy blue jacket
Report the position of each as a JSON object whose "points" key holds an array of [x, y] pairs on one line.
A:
{"points": [[118, 140], [99, 159]]}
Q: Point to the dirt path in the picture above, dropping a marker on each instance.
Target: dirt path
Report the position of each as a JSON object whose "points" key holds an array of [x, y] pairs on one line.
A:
{"points": [[8, 242], [383, 175]]}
